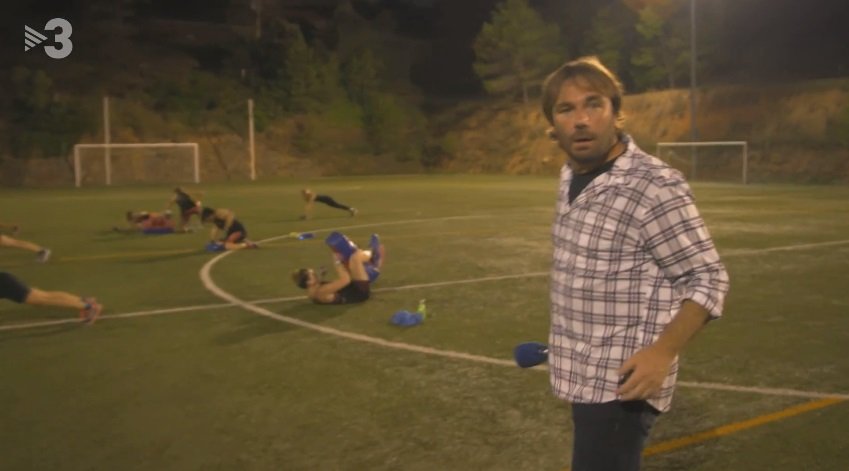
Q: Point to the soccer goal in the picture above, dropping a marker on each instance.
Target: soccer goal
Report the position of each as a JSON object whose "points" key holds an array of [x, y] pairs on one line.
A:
{"points": [[137, 162], [723, 161]]}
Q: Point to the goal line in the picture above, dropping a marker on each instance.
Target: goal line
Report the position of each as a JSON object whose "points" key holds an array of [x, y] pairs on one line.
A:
{"points": [[107, 156]]}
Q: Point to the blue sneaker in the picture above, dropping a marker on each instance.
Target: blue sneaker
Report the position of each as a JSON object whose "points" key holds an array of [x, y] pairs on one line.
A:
{"points": [[377, 251]]}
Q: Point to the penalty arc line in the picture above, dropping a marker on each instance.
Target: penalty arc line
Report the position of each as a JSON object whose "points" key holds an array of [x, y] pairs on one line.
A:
{"points": [[209, 284], [235, 302]]}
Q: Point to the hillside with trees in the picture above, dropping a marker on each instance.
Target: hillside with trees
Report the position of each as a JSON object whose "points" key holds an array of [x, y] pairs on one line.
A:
{"points": [[370, 86]]}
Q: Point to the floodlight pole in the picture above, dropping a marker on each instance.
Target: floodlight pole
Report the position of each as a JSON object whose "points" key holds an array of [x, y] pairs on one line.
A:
{"points": [[251, 144], [694, 130], [107, 151]]}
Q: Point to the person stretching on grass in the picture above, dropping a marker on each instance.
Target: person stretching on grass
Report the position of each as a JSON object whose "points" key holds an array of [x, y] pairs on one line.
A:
{"points": [[188, 205], [13, 289], [42, 253], [149, 222], [356, 269], [224, 220], [311, 197]]}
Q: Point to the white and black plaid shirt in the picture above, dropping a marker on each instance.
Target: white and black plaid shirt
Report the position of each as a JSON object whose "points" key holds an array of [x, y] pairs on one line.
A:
{"points": [[627, 251]]}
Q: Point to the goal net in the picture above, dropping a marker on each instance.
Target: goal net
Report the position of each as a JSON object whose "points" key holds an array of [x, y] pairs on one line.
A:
{"points": [[717, 161], [156, 162]]}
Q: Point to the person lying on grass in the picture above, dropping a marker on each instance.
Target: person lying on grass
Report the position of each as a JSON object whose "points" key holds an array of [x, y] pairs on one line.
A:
{"points": [[148, 222], [355, 268]]}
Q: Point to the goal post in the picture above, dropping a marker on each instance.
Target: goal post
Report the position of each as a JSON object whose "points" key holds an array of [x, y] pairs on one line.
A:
{"points": [[700, 156], [108, 157]]}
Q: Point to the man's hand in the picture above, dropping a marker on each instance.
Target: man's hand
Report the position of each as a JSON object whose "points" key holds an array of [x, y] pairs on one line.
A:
{"points": [[644, 373]]}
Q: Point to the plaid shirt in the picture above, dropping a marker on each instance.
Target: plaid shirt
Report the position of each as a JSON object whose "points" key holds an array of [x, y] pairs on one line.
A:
{"points": [[627, 251]]}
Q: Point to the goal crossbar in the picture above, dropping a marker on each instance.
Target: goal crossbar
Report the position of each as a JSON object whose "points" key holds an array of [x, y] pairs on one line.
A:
{"points": [[107, 157], [743, 144]]}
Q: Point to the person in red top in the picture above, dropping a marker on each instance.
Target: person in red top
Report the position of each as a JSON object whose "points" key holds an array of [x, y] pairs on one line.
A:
{"points": [[149, 222]]}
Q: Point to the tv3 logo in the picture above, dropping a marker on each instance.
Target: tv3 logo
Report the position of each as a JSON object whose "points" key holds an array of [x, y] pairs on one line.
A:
{"points": [[61, 30]]}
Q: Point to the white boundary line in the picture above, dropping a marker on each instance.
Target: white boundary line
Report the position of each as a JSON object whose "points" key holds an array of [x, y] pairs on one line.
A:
{"points": [[209, 284], [233, 301], [784, 248], [199, 307]]}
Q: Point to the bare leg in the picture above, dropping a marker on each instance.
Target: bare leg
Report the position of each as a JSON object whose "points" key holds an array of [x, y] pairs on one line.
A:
{"points": [[89, 308], [356, 265], [6, 241], [40, 297], [237, 241]]}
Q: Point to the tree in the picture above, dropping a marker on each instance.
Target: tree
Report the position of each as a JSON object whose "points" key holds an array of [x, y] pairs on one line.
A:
{"points": [[302, 73], [393, 126], [292, 74], [515, 49], [360, 76], [663, 55], [42, 121], [610, 37]]}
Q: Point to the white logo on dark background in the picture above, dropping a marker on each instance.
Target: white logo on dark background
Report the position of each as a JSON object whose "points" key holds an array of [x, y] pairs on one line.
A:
{"points": [[61, 29]]}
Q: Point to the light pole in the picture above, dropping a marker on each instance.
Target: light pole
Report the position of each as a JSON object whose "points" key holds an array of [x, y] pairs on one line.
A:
{"points": [[694, 130]]}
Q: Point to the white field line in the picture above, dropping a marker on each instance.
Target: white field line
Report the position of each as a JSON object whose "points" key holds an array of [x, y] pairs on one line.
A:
{"points": [[253, 307], [155, 312], [207, 281], [784, 248], [199, 307], [126, 315]]}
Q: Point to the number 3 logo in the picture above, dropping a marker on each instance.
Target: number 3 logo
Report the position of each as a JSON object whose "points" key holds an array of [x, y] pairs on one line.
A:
{"points": [[62, 37]]}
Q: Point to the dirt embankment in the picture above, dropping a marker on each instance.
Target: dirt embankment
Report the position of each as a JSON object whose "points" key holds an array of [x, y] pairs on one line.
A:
{"points": [[789, 129]]}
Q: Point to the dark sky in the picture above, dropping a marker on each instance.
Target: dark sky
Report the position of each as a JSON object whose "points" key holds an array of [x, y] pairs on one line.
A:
{"points": [[762, 39], [792, 37]]}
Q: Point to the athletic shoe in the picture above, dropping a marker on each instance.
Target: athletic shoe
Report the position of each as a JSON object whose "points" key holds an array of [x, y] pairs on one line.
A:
{"points": [[91, 312], [43, 255], [251, 245], [353, 211]]}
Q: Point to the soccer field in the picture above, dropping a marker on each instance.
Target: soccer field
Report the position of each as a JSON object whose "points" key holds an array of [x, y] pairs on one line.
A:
{"points": [[216, 361]]}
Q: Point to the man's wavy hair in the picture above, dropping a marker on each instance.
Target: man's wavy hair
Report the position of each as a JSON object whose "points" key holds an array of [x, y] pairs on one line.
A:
{"points": [[594, 74]]}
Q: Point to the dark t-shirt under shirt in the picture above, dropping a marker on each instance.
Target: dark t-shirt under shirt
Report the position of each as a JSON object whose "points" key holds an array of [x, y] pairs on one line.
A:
{"points": [[581, 180]]}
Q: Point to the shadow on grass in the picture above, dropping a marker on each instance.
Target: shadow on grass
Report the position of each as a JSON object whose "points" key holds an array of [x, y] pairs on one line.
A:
{"points": [[255, 326]]}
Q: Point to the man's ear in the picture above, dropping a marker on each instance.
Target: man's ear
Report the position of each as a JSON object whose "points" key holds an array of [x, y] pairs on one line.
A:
{"points": [[551, 133]]}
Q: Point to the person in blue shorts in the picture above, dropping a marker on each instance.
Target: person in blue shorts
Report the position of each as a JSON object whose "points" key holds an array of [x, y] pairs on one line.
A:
{"points": [[355, 268], [15, 290]]}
